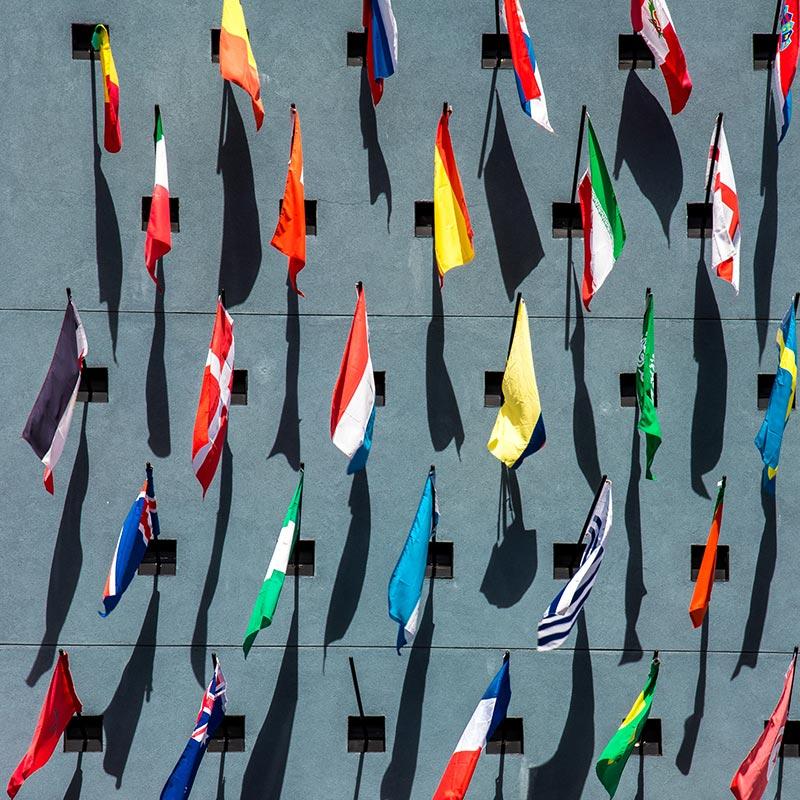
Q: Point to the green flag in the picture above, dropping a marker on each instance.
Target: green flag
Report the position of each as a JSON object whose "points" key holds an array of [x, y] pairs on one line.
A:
{"points": [[613, 759], [645, 382], [267, 600]]}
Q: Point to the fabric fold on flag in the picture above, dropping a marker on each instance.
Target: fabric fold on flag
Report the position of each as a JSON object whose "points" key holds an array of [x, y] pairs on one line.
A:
{"points": [[726, 231], [380, 28], [237, 63], [48, 423], [784, 65], [158, 241], [112, 131], [701, 597], [648, 423]]}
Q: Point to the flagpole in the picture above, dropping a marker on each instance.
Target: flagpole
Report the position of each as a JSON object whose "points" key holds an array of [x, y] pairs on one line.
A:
{"points": [[796, 301], [577, 166], [775, 21], [147, 468], [359, 703], [791, 690], [214, 661], [588, 519], [69, 295], [222, 297], [514, 323], [157, 114], [497, 31], [714, 158]]}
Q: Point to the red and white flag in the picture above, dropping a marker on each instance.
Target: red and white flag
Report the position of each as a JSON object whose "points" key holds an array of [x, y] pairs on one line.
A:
{"points": [[750, 780], [211, 422], [651, 20], [159, 232], [726, 233]]}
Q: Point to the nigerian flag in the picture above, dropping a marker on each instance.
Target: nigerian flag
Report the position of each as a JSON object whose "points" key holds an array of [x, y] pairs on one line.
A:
{"points": [[645, 387], [267, 600], [613, 759]]}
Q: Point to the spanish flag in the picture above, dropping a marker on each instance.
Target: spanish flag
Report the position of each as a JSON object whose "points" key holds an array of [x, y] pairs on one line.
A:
{"points": [[112, 133], [701, 596], [236, 61], [452, 231], [519, 428]]}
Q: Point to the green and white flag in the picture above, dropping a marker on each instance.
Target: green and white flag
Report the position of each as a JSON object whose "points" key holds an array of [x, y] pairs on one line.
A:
{"points": [[645, 387], [267, 600]]}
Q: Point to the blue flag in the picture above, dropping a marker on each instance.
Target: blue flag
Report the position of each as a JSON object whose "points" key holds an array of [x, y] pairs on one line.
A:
{"points": [[359, 459]]}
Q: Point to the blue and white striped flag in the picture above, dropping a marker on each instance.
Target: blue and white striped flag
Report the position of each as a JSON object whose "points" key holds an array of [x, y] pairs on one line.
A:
{"points": [[561, 614]]}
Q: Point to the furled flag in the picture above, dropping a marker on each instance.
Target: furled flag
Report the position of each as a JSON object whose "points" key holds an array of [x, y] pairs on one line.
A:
{"points": [[236, 60], [112, 132], [785, 64], [158, 241], [353, 401], [726, 234], [649, 424], [490, 713], [48, 423], [651, 20], [526, 68], [290, 234], [519, 428], [140, 526], [751, 779], [452, 230], [60, 704], [381, 30], [560, 616], [270, 592], [212, 711], [616, 753], [701, 596], [405, 585], [211, 422], [603, 229], [781, 399]]}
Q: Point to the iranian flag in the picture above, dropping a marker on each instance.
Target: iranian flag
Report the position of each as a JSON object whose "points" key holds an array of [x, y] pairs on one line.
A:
{"points": [[159, 235], [603, 230], [267, 600]]}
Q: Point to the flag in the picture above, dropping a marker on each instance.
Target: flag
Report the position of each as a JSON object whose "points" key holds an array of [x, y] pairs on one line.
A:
{"points": [[212, 712], [290, 234], [526, 68], [405, 585], [236, 60], [750, 780], [781, 398], [211, 422], [452, 230], [60, 704], [158, 241], [353, 401], [603, 229], [270, 592], [380, 28], [785, 64], [112, 132], [140, 526], [519, 428], [616, 753], [726, 233], [701, 596], [490, 713], [645, 388], [651, 20], [48, 423], [561, 614]]}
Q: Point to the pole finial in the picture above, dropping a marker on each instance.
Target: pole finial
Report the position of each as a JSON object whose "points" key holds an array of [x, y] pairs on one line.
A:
{"points": [[222, 296], [796, 300], [655, 655], [506, 656], [69, 295], [214, 660], [359, 286]]}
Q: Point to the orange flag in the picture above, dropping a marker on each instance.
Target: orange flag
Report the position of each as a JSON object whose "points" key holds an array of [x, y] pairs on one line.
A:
{"points": [[290, 234], [236, 60], [705, 577]]}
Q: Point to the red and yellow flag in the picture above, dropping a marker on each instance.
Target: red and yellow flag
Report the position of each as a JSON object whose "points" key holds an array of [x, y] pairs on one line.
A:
{"points": [[290, 234], [705, 577], [236, 61], [112, 133]]}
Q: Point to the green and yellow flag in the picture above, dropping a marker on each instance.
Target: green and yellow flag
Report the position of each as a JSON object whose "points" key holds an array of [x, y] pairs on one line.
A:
{"points": [[645, 387], [613, 759]]}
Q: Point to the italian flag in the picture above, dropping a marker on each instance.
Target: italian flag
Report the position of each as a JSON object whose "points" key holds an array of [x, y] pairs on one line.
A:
{"points": [[267, 600], [603, 230], [159, 235]]}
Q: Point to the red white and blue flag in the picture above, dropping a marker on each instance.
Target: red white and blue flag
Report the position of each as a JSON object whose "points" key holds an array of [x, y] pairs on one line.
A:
{"points": [[526, 69], [140, 526], [491, 711], [785, 64], [212, 711], [381, 32]]}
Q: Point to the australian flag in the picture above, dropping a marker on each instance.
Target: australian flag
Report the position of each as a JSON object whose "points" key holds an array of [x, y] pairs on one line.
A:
{"points": [[211, 713]]}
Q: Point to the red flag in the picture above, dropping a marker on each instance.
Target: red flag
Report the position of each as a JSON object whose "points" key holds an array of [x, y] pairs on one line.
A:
{"points": [[701, 596], [290, 234], [159, 232], [59, 705], [750, 780]]}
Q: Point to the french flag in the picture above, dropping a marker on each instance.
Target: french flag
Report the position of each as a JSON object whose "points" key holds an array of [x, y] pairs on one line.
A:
{"points": [[491, 711], [785, 64], [381, 30], [526, 70], [353, 401]]}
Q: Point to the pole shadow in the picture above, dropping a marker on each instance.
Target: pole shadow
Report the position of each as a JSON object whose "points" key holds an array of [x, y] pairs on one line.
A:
{"points": [[640, 778], [221, 777], [691, 727], [359, 774], [498, 781], [377, 171], [155, 389], [65, 569], [76, 784]]}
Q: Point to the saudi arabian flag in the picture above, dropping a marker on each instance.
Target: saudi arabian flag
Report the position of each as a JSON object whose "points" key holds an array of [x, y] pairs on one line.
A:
{"points": [[645, 387], [267, 600], [613, 759]]}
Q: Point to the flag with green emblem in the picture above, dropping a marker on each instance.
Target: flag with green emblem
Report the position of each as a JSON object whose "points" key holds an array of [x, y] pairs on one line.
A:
{"points": [[645, 387]]}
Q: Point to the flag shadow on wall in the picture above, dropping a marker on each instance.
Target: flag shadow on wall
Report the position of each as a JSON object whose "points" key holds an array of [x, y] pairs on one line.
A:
{"points": [[155, 391], [377, 171]]}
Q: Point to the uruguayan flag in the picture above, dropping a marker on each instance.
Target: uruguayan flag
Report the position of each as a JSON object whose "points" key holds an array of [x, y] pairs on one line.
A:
{"points": [[561, 614]]}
